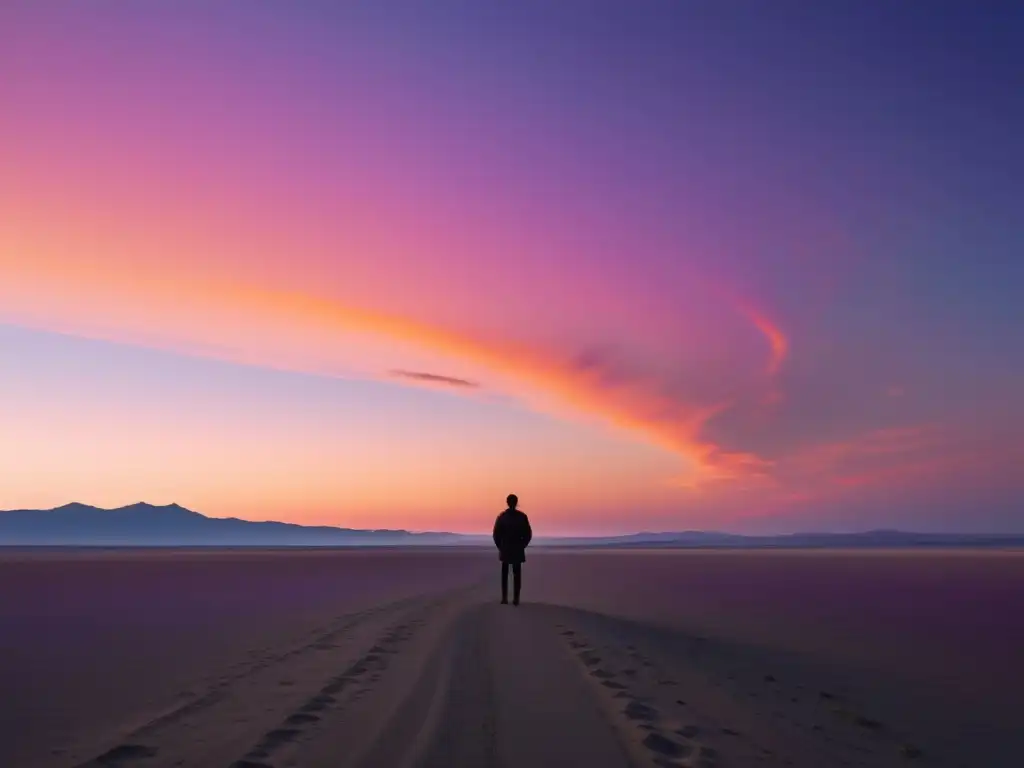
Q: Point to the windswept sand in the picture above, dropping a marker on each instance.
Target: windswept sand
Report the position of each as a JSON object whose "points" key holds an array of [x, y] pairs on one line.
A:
{"points": [[433, 672]]}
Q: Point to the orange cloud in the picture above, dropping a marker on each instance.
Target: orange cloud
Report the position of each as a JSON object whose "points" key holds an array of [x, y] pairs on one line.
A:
{"points": [[130, 287], [216, 316]]}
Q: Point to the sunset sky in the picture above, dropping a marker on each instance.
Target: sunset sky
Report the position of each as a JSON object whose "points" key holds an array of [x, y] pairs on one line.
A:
{"points": [[745, 266]]}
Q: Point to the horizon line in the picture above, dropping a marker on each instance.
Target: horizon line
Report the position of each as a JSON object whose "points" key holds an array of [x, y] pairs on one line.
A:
{"points": [[584, 536]]}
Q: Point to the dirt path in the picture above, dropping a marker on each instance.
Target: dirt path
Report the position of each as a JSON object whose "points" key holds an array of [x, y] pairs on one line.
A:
{"points": [[503, 691], [455, 679]]}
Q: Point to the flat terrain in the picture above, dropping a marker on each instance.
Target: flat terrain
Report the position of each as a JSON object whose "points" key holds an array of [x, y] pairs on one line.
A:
{"points": [[276, 658]]}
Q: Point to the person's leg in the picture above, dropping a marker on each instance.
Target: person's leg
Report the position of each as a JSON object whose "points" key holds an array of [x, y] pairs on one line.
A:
{"points": [[504, 582], [517, 581]]}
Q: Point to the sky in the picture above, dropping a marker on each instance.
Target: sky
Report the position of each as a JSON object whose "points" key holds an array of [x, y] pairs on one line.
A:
{"points": [[740, 266]]}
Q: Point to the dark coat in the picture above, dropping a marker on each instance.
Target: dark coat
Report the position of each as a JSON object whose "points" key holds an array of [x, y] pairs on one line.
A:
{"points": [[512, 534]]}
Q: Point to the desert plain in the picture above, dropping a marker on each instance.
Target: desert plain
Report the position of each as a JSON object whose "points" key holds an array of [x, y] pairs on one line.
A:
{"points": [[152, 658]]}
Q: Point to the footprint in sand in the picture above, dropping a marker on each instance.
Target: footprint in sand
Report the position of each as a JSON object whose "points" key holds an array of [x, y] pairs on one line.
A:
{"points": [[280, 736], [335, 686], [665, 747], [318, 703], [272, 741], [301, 718], [636, 710], [123, 754]]}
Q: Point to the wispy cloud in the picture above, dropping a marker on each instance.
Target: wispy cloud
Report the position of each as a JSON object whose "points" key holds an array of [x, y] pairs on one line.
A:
{"points": [[267, 325], [778, 343], [435, 378]]}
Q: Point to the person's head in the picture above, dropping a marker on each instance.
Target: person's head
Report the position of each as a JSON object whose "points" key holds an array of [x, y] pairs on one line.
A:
{"points": [[512, 500]]}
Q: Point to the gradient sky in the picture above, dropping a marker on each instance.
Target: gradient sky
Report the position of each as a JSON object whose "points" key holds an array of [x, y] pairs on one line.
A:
{"points": [[651, 265]]}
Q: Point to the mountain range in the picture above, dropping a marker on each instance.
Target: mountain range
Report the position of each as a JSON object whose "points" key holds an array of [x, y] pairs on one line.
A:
{"points": [[172, 525], [145, 524]]}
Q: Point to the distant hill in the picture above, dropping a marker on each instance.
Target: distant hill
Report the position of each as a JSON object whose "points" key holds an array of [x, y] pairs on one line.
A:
{"points": [[864, 539], [172, 525]]}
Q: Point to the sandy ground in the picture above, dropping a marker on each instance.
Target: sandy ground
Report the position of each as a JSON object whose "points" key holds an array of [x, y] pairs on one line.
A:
{"points": [[426, 669]]}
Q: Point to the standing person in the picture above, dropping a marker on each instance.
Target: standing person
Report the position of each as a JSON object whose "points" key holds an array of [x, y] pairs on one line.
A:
{"points": [[512, 534]]}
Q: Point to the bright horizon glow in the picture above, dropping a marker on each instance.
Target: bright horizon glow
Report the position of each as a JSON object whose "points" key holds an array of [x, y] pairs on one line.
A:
{"points": [[663, 270]]}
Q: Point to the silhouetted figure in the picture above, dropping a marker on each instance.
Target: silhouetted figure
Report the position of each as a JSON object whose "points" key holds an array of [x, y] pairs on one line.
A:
{"points": [[512, 534]]}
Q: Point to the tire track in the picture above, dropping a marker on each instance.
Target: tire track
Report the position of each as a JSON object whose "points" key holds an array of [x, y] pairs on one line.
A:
{"points": [[143, 745], [312, 717]]}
